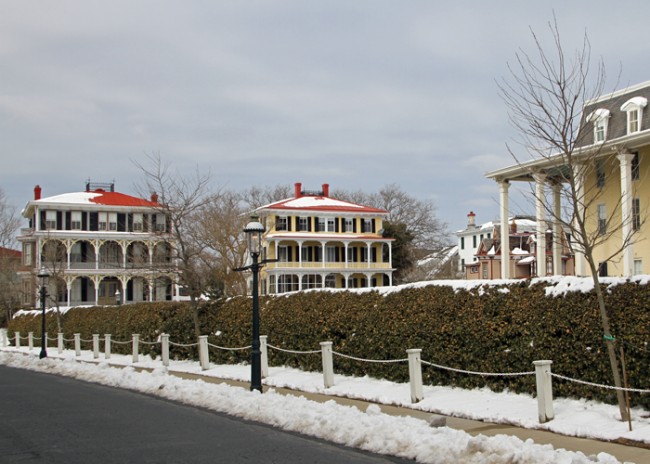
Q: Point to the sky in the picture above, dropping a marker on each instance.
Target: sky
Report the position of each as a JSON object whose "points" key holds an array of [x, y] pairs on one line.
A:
{"points": [[357, 94]]}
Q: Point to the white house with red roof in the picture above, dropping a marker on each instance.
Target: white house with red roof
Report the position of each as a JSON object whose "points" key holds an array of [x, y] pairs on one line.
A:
{"points": [[99, 247], [322, 242]]}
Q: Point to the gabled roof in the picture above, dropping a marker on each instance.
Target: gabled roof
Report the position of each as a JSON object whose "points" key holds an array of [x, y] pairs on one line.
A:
{"points": [[320, 203], [87, 198], [98, 197]]}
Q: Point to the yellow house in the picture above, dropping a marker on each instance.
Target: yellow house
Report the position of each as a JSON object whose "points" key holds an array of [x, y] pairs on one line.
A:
{"points": [[322, 242], [612, 165]]}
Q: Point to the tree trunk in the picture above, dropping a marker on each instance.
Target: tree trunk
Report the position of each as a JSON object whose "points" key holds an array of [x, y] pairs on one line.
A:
{"points": [[609, 341]]}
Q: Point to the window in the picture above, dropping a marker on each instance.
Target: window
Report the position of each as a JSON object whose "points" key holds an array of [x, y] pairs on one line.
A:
{"points": [[485, 271], [161, 223], [636, 213], [474, 241], [600, 118], [303, 224], [281, 223], [330, 281], [462, 243], [349, 225], [634, 109], [602, 219], [331, 254], [367, 225], [137, 222], [322, 225], [102, 221], [112, 221], [50, 220], [283, 254], [75, 220], [638, 267], [635, 166], [27, 254]]}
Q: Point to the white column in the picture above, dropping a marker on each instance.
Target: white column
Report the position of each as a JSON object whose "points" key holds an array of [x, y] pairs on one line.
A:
{"points": [[626, 211], [540, 216], [505, 230], [558, 231], [579, 255]]}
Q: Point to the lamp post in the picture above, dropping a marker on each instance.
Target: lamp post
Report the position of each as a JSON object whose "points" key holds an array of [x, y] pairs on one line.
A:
{"points": [[118, 297], [43, 276], [254, 230]]}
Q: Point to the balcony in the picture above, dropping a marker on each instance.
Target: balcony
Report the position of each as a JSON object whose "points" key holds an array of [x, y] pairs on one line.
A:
{"points": [[310, 265]]}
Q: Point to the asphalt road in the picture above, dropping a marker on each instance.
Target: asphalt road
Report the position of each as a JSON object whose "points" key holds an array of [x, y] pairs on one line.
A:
{"points": [[47, 418]]}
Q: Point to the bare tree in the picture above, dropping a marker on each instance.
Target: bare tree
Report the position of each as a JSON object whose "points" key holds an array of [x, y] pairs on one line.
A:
{"points": [[220, 223], [545, 97], [9, 222], [180, 199], [54, 261], [256, 197]]}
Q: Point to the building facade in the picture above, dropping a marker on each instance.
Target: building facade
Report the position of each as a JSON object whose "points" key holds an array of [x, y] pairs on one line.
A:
{"points": [[99, 247], [611, 164], [322, 242], [469, 240]]}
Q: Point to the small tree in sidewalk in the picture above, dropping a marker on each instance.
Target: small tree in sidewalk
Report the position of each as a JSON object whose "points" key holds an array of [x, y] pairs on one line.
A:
{"points": [[545, 96]]}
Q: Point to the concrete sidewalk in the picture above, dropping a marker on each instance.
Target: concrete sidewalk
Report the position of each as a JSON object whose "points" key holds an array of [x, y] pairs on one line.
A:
{"points": [[624, 453]]}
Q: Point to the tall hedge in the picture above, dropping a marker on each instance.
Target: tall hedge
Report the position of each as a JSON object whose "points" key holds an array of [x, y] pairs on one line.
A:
{"points": [[489, 328]]}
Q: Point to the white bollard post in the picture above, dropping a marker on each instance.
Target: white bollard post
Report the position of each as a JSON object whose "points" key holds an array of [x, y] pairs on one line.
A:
{"points": [[328, 364], [203, 352], [415, 374], [264, 356], [17, 341], [136, 347], [544, 390], [59, 342], [107, 346], [30, 340], [3, 337], [164, 340], [95, 346], [77, 344]]}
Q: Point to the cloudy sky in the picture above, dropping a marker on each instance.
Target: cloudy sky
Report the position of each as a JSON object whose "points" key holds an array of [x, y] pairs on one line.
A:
{"points": [[357, 94]]}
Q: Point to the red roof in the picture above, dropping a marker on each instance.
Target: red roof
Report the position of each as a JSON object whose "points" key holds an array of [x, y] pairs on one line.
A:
{"points": [[9, 253], [120, 199]]}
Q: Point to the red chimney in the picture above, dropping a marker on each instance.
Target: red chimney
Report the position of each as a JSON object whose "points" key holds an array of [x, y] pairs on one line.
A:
{"points": [[326, 190], [37, 192], [298, 192], [154, 197], [471, 219]]}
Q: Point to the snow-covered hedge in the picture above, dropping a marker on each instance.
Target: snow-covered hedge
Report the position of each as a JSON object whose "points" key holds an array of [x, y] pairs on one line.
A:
{"points": [[500, 327]]}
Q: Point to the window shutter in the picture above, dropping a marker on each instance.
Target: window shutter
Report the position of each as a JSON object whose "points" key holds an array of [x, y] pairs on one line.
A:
{"points": [[59, 221], [94, 221], [336, 224], [84, 220], [354, 225], [374, 255], [343, 225], [309, 221], [68, 220], [289, 254], [121, 222], [316, 225], [374, 226], [289, 222]]}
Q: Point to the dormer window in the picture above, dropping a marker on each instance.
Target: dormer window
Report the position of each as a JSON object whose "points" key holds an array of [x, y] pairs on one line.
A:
{"points": [[600, 118], [634, 109]]}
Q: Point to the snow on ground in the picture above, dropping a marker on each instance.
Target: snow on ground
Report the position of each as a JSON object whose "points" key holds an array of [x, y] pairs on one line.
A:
{"points": [[370, 430]]}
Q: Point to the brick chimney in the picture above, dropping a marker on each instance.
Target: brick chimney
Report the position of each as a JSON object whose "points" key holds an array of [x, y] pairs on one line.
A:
{"points": [[154, 197], [471, 220], [37, 192], [298, 190], [326, 190]]}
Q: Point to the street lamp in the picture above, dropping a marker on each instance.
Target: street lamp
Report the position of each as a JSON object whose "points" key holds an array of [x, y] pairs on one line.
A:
{"points": [[43, 276], [118, 297], [254, 230]]}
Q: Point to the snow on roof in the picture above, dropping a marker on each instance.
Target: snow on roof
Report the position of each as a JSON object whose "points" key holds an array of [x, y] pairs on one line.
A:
{"points": [[600, 113], [634, 101], [98, 197], [320, 203]]}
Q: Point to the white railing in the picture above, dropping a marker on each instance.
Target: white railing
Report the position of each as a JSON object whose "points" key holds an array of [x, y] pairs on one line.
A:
{"points": [[542, 372]]}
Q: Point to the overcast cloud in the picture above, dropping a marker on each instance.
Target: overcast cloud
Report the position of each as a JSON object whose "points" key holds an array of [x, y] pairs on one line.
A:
{"points": [[357, 94]]}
